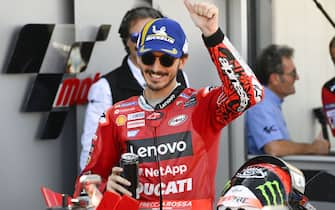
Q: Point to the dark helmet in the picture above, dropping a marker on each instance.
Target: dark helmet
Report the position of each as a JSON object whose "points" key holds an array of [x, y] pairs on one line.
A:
{"points": [[265, 182]]}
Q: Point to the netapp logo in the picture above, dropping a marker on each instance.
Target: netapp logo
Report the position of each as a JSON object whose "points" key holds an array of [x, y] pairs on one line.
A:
{"points": [[166, 147]]}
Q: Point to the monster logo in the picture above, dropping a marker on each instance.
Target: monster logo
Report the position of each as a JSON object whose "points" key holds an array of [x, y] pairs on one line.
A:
{"points": [[271, 192]]}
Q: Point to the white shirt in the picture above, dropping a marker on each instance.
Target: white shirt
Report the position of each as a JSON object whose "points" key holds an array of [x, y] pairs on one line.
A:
{"points": [[99, 99]]}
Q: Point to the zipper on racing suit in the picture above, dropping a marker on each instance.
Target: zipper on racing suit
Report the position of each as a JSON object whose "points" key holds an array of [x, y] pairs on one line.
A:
{"points": [[159, 171]]}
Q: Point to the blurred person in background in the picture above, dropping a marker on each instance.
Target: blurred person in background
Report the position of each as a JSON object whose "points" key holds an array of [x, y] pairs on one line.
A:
{"points": [[265, 127], [328, 93]]}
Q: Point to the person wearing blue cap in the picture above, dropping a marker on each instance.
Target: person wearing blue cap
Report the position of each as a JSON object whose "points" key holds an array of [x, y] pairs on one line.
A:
{"points": [[120, 83], [173, 130]]}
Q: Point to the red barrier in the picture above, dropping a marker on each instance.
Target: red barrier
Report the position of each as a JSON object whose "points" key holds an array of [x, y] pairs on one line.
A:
{"points": [[113, 201]]}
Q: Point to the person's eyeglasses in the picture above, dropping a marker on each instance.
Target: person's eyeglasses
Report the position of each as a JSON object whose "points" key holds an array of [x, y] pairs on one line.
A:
{"points": [[292, 74], [165, 59], [134, 36]]}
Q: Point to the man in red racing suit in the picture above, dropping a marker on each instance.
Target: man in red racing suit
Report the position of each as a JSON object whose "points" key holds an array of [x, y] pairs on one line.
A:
{"points": [[176, 140]]}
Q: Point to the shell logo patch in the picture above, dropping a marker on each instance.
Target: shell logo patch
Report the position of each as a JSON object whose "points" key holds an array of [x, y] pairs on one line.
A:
{"points": [[121, 120]]}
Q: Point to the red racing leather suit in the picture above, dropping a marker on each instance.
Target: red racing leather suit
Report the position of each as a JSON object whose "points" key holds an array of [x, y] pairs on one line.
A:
{"points": [[177, 141]]}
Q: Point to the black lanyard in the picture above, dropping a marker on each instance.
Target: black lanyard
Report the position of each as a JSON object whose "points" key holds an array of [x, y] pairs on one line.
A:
{"points": [[168, 100]]}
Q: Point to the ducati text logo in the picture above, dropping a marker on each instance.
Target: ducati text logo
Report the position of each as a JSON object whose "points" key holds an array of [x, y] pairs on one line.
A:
{"points": [[171, 187]]}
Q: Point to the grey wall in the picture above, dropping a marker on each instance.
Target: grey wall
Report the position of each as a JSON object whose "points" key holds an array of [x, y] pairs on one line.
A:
{"points": [[306, 29], [28, 162]]}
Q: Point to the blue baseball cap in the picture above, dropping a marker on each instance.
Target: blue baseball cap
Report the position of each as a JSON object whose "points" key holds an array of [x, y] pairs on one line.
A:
{"points": [[162, 35]]}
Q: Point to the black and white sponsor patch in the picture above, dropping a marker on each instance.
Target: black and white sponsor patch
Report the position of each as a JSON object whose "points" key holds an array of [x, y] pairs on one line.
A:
{"points": [[178, 120], [252, 172], [191, 101], [167, 147]]}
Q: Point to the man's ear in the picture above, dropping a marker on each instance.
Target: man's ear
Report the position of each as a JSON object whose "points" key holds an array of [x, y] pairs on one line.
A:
{"points": [[274, 78], [138, 59], [182, 62]]}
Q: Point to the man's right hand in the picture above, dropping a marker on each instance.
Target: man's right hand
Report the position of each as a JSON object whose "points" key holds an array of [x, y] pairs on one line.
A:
{"points": [[204, 15], [321, 145], [116, 182]]}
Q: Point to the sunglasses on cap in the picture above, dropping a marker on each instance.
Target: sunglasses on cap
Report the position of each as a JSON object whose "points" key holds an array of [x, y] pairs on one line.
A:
{"points": [[165, 59], [134, 36]]}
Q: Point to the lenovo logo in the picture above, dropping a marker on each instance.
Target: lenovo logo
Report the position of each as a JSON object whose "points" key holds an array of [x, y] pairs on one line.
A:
{"points": [[166, 147]]}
